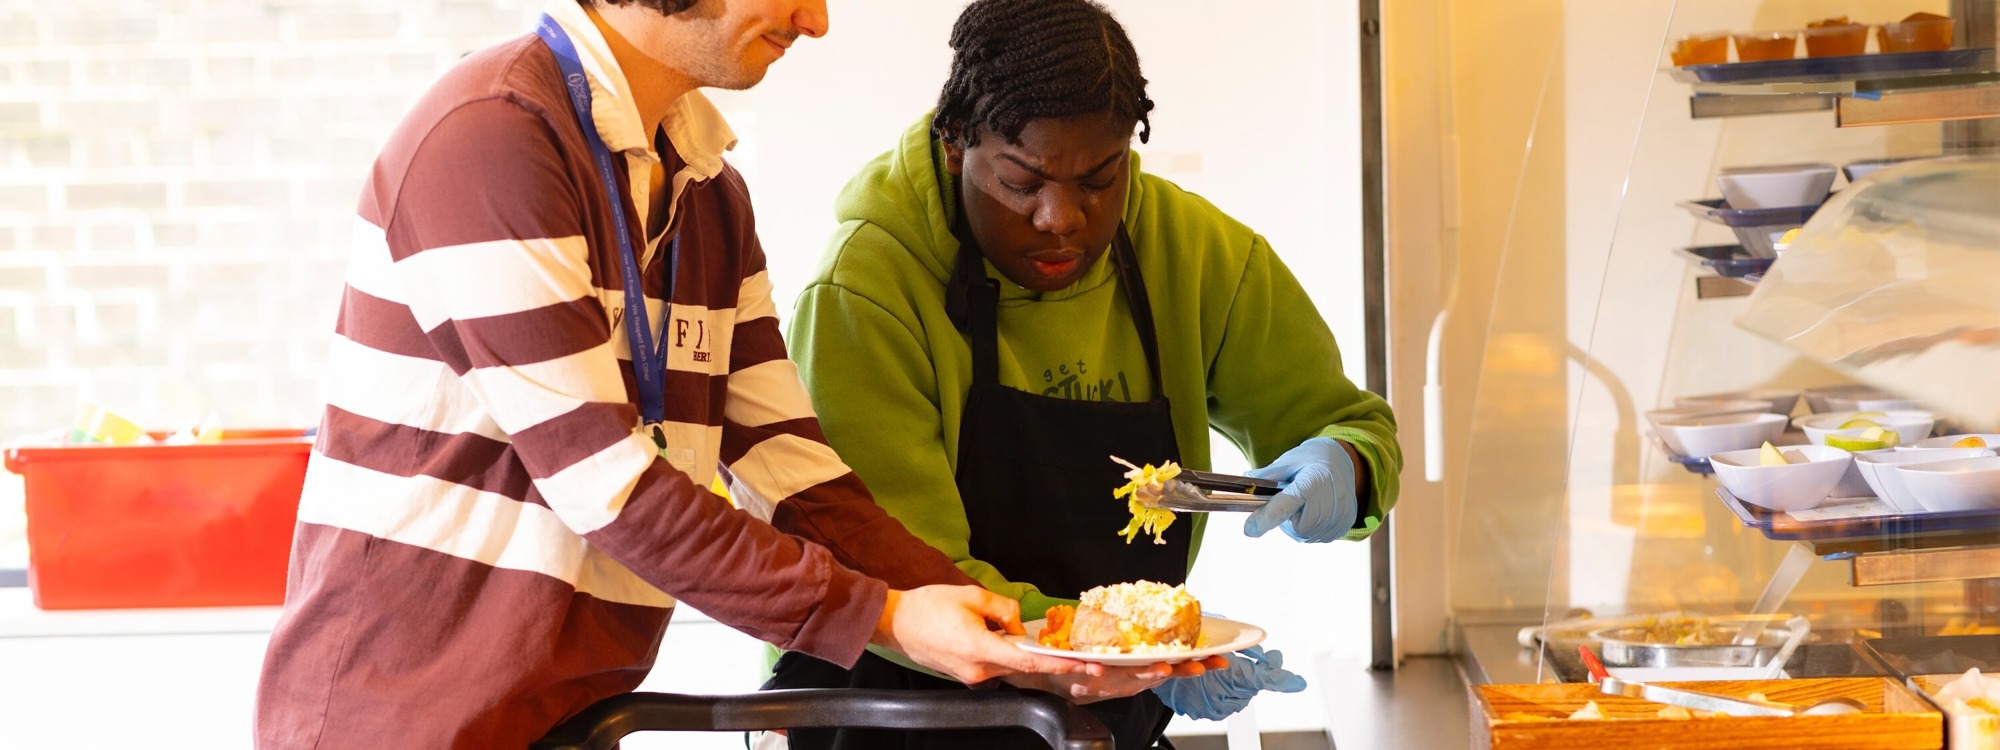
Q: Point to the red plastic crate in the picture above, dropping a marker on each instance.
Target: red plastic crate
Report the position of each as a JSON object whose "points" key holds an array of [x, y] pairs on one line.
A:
{"points": [[162, 525]]}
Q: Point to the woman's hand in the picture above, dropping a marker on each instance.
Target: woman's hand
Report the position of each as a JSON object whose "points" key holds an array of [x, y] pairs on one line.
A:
{"points": [[1107, 682]]}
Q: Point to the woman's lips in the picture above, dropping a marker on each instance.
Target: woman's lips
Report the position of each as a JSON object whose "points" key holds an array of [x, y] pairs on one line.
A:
{"points": [[1056, 268]]}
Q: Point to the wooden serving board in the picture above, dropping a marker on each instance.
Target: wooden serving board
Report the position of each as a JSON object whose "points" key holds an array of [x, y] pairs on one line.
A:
{"points": [[1895, 718]]}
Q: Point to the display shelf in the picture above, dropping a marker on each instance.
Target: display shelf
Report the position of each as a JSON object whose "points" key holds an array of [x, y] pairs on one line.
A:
{"points": [[1728, 261], [1879, 89], [1859, 526], [1829, 74]]}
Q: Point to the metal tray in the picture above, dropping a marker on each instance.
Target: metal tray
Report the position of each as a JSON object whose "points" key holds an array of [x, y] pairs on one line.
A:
{"points": [[1936, 654], [1620, 649], [1719, 212], [1731, 261], [1846, 67], [1856, 520]]}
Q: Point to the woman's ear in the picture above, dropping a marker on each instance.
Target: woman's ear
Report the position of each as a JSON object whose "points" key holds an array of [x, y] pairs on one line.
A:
{"points": [[954, 157]]}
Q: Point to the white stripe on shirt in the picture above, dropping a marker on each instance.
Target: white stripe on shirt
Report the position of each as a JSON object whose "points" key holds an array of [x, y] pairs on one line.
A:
{"points": [[464, 522]]}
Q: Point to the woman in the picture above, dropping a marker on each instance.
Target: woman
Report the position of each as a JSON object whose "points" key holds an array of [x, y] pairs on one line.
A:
{"points": [[1130, 318]]}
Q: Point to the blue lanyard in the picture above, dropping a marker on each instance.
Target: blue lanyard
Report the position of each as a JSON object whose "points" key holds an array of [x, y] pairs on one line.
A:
{"points": [[649, 362]]}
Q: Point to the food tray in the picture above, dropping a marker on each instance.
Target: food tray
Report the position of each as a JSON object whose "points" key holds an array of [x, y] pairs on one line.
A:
{"points": [[1848, 519], [1730, 261], [1719, 212], [1935, 654], [1895, 717], [1845, 67]]}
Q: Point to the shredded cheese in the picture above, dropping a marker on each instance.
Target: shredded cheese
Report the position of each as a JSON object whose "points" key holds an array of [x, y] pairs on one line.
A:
{"points": [[1142, 497]]}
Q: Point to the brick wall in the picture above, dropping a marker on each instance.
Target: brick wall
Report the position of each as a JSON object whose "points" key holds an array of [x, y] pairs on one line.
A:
{"points": [[177, 184]]}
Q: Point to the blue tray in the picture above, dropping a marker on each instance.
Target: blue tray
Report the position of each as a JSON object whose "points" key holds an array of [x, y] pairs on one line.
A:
{"points": [[1728, 260], [1892, 523], [1698, 465], [1715, 210], [1846, 67]]}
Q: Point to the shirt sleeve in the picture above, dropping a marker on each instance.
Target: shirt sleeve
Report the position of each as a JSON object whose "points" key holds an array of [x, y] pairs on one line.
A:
{"points": [[782, 467], [1277, 381], [492, 258], [871, 376]]}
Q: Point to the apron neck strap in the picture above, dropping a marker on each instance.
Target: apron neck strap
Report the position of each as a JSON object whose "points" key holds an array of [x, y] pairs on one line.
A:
{"points": [[972, 300], [1142, 306]]}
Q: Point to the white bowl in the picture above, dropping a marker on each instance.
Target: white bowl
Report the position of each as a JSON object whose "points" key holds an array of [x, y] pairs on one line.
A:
{"points": [[1658, 417], [1793, 486], [1911, 425], [1779, 400], [1888, 485], [1854, 397], [1958, 484], [1943, 442], [1716, 433], [1775, 185]]}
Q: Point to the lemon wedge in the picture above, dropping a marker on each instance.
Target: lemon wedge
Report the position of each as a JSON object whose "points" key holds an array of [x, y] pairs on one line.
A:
{"points": [[1973, 441], [1769, 456], [1846, 443]]}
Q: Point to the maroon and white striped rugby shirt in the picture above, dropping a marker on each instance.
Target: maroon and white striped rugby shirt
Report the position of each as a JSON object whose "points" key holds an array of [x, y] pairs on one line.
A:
{"points": [[486, 543]]}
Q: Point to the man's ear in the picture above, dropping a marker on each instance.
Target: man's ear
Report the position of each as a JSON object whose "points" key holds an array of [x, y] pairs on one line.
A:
{"points": [[954, 158]]}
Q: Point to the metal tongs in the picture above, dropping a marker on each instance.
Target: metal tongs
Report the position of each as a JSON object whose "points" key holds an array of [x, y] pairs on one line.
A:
{"points": [[1722, 704], [1207, 492]]}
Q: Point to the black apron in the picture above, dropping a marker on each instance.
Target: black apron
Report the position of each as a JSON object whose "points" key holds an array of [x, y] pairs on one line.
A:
{"points": [[1035, 475]]}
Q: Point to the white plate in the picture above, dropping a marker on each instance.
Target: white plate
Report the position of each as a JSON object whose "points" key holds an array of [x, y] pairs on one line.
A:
{"points": [[1224, 636]]}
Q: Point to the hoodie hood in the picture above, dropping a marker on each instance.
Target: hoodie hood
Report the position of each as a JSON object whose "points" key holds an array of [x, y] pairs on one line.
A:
{"points": [[909, 194]]}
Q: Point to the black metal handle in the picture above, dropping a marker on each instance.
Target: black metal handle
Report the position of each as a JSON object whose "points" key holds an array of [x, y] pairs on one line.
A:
{"points": [[599, 727]]}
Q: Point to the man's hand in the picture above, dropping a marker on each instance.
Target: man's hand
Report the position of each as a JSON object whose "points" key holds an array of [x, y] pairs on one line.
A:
{"points": [[1107, 682], [946, 629]]}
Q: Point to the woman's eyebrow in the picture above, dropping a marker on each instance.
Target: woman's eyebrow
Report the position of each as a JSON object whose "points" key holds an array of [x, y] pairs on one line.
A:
{"points": [[1046, 176]]}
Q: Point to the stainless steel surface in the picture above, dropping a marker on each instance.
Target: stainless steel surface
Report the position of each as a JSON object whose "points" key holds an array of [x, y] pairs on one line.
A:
{"points": [[1181, 496], [1978, 25], [1925, 565], [1375, 315], [1423, 704], [1625, 647], [1490, 651], [1705, 107], [1932, 105]]}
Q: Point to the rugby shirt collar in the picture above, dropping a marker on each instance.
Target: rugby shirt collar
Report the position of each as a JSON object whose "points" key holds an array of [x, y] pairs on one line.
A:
{"points": [[693, 125]]}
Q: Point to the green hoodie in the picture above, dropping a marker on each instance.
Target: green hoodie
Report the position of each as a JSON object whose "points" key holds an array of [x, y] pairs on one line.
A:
{"points": [[1242, 349]]}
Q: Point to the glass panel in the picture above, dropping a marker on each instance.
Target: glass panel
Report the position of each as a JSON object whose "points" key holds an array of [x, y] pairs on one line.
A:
{"points": [[1646, 263]]}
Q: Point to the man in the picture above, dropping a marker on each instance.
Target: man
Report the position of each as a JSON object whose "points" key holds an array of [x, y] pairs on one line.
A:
{"points": [[1008, 283], [507, 496]]}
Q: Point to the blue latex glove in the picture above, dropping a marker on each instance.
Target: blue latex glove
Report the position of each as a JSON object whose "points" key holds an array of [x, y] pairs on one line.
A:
{"points": [[1317, 503], [1218, 693]]}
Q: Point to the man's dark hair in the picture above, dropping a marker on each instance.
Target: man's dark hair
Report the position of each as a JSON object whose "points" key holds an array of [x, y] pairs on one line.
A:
{"points": [[665, 7], [1014, 61]]}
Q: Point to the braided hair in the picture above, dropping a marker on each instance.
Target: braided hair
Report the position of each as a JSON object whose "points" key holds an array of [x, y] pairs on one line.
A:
{"points": [[1015, 61], [665, 7]]}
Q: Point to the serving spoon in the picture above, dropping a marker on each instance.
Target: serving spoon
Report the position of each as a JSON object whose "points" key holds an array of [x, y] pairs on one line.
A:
{"points": [[1724, 704]]}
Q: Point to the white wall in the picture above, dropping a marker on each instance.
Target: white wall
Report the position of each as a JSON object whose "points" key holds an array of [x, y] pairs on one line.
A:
{"points": [[1256, 112]]}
